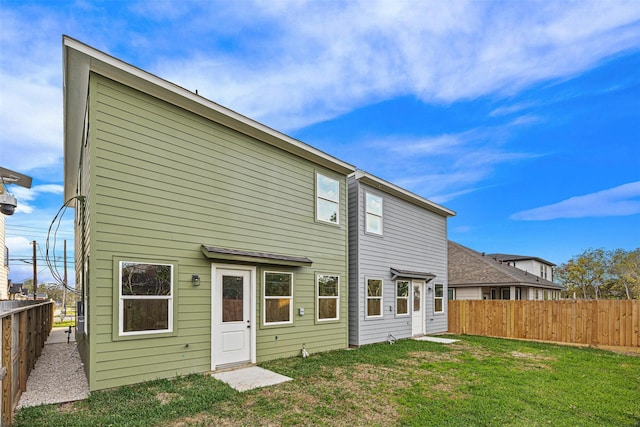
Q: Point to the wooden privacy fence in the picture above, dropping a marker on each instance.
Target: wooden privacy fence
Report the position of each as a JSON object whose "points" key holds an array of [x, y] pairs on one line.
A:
{"points": [[25, 328], [591, 322]]}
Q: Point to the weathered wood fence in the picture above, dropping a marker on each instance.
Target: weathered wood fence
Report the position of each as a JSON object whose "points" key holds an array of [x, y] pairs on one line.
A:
{"points": [[591, 322], [25, 328]]}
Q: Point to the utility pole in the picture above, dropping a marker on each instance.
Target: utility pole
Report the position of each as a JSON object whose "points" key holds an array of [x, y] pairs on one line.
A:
{"points": [[35, 272], [64, 290]]}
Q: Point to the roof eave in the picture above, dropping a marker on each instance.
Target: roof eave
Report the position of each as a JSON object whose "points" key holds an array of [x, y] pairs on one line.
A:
{"points": [[401, 193]]}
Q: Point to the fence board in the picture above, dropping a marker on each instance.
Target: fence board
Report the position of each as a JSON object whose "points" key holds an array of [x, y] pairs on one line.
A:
{"points": [[25, 327], [592, 322]]}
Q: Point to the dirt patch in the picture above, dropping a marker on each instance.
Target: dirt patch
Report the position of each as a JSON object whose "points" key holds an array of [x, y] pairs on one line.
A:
{"points": [[67, 408], [200, 420], [166, 398]]}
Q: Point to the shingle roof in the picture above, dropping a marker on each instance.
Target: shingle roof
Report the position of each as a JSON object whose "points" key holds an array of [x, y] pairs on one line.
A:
{"points": [[468, 268]]}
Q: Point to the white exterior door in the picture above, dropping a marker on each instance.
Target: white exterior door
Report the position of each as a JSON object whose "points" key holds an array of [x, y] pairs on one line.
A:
{"points": [[417, 317], [232, 328]]}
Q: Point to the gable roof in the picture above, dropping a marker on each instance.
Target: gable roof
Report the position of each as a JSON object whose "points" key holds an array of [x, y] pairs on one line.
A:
{"points": [[401, 193], [470, 268], [79, 60]]}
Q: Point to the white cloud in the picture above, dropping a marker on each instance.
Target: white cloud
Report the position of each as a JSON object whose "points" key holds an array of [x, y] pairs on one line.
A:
{"points": [[18, 244], [623, 200], [26, 195], [320, 60], [443, 167]]}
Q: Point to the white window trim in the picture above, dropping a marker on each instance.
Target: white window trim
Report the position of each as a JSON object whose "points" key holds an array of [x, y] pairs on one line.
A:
{"points": [[435, 298], [409, 289], [367, 213], [122, 298], [337, 201], [337, 298], [265, 297], [367, 298]]}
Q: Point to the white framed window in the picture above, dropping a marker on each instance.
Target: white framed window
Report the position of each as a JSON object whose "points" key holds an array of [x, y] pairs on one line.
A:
{"points": [[374, 298], [518, 293], [438, 299], [451, 294], [505, 293], [373, 213], [402, 297], [278, 298], [327, 199], [146, 298], [328, 297]]}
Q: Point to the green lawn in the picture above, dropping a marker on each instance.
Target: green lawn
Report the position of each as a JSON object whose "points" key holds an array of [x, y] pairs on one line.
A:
{"points": [[477, 381]]}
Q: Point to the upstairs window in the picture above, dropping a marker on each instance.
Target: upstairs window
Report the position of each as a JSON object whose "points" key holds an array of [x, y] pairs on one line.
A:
{"points": [[146, 298], [327, 199], [278, 298], [373, 214]]}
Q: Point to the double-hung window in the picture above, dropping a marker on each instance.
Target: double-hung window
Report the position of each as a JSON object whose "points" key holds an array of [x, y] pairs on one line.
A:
{"points": [[146, 298], [374, 298], [373, 214], [438, 304], [328, 297], [402, 297], [327, 199], [278, 298]]}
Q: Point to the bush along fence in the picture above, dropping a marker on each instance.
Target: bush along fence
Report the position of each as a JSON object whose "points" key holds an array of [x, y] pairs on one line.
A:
{"points": [[590, 322], [25, 328]]}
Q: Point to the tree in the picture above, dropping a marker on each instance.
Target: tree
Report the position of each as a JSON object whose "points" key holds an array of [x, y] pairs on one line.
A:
{"points": [[584, 274], [54, 291], [597, 273], [625, 268]]}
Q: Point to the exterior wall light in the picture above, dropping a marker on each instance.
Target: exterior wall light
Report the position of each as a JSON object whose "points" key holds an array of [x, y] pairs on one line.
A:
{"points": [[195, 280]]}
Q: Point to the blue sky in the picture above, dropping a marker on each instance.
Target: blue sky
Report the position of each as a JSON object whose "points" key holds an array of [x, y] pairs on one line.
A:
{"points": [[523, 117]]}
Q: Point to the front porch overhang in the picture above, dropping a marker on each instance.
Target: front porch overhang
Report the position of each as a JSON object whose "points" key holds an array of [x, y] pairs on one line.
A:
{"points": [[237, 255], [406, 274]]}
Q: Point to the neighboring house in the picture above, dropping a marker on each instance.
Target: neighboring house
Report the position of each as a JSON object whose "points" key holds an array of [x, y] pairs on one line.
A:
{"points": [[204, 240], [474, 275], [397, 262], [15, 289], [532, 265]]}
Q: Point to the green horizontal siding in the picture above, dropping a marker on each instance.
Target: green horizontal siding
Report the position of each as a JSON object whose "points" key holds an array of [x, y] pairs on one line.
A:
{"points": [[164, 182]]}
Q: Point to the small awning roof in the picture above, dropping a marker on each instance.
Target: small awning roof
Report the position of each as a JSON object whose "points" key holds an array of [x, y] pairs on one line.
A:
{"points": [[406, 274], [254, 257]]}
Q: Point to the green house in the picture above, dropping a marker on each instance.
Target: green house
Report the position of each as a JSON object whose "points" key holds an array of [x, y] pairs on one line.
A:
{"points": [[204, 240]]}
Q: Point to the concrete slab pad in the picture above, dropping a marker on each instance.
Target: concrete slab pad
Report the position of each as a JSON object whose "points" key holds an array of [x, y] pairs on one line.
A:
{"points": [[437, 339], [251, 377]]}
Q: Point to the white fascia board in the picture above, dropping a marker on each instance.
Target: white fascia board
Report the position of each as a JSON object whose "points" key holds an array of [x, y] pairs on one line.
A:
{"points": [[89, 59], [394, 190]]}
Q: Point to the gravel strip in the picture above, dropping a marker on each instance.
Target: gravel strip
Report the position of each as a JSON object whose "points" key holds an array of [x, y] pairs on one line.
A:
{"points": [[58, 375]]}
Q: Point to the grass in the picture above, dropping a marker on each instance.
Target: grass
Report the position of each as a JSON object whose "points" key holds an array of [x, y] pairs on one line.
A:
{"points": [[478, 381], [64, 323]]}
